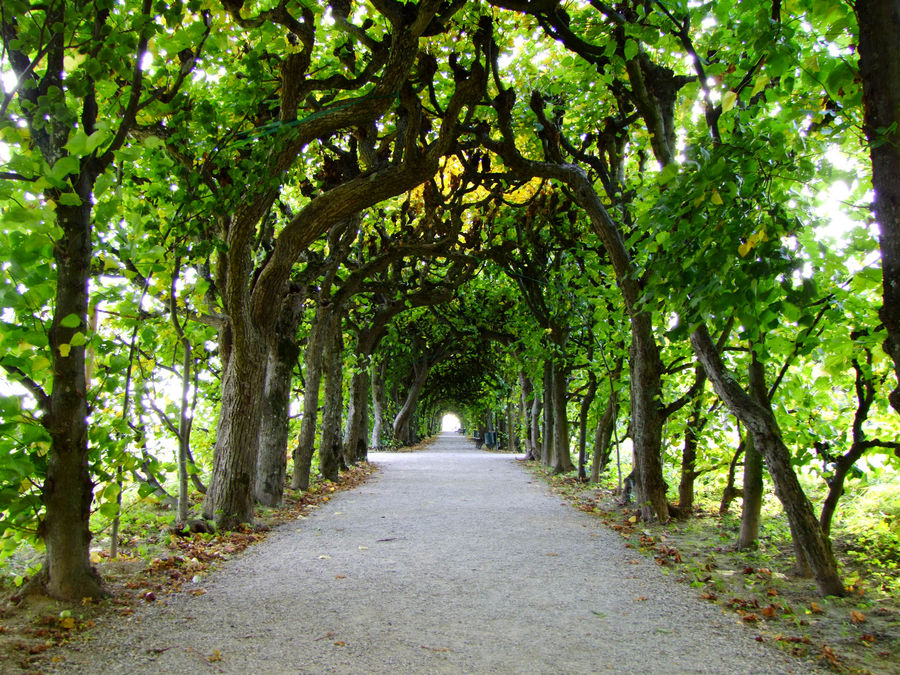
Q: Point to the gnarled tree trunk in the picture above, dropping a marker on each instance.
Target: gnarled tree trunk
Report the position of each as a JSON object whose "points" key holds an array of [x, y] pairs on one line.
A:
{"points": [[763, 427], [561, 456], [313, 361], [357, 431], [229, 496], [271, 465], [331, 449], [403, 429], [879, 67]]}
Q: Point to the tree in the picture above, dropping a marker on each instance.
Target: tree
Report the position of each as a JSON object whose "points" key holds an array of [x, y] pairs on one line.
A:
{"points": [[71, 62], [879, 68]]}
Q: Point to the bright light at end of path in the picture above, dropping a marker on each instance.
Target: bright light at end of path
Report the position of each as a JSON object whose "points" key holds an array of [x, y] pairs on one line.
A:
{"points": [[450, 423]]}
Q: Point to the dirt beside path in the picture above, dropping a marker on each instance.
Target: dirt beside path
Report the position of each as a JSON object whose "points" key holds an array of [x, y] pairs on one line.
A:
{"points": [[449, 560]]}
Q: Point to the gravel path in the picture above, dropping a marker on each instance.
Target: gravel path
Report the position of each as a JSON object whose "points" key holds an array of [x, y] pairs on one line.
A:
{"points": [[449, 560]]}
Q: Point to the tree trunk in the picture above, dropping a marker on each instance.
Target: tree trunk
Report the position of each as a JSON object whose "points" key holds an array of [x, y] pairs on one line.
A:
{"points": [[763, 428], [879, 67], [647, 419], [378, 403], [547, 439], [604, 433], [692, 431], [356, 433], [404, 431], [512, 437], [731, 492], [562, 458], [535, 431], [586, 402], [271, 465], [313, 361], [229, 496], [68, 490], [331, 448], [752, 493], [753, 462], [526, 390]]}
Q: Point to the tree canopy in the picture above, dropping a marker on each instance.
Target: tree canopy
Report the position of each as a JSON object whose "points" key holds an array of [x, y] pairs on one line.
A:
{"points": [[243, 239]]}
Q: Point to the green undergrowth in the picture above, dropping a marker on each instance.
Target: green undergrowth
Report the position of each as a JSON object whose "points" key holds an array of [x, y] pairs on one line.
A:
{"points": [[859, 633]]}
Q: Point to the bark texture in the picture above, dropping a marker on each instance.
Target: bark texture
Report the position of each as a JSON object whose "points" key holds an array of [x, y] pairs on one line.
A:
{"points": [[357, 431], [230, 494], [752, 493], [332, 446], [313, 362], [879, 67], [271, 466], [403, 429]]}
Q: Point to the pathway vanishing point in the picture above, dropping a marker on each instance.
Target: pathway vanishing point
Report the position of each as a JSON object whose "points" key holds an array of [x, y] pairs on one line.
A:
{"points": [[448, 560]]}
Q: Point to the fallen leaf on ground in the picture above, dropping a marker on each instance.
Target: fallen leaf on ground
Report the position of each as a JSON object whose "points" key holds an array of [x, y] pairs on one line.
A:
{"points": [[640, 598], [857, 617]]}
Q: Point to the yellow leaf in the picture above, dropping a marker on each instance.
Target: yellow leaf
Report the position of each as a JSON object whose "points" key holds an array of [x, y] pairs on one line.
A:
{"points": [[633, 519], [716, 198], [95, 557], [68, 623], [216, 656], [728, 101], [64, 350], [744, 249], [699, 200]]}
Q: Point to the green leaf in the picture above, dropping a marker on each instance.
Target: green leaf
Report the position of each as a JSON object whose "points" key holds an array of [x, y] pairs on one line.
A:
{"points": [[69, 199], [70, 321], [728, 101], [668, 173], [631, 49]]}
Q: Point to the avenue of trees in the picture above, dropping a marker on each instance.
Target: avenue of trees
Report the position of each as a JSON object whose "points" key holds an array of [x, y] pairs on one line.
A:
{"points": [[245, 242]]}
